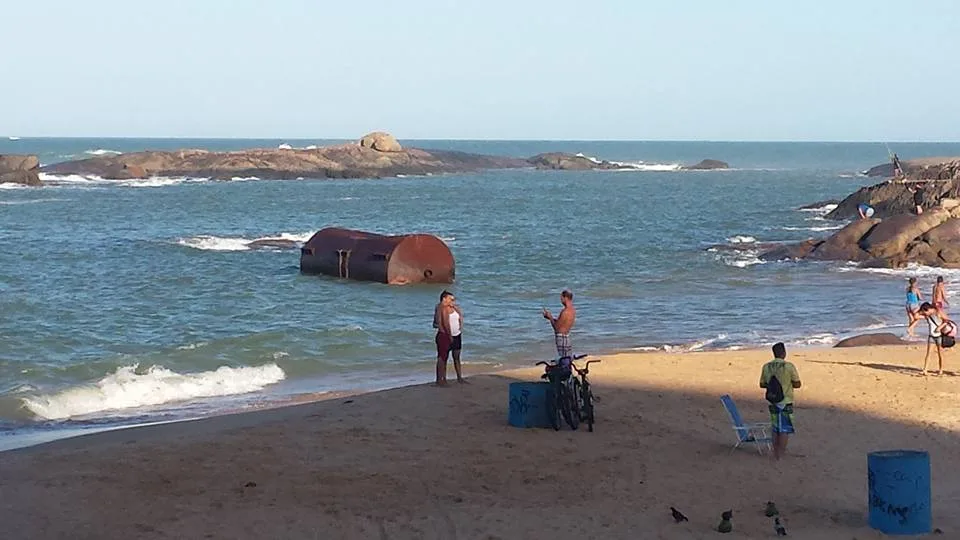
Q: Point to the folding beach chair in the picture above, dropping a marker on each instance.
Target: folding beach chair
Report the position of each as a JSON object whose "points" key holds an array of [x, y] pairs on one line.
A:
{"points": [[757, 434]]}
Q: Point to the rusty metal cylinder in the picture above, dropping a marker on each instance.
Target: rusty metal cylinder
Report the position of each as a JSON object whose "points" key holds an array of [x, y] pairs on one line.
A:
{"points": [[395, 260]]}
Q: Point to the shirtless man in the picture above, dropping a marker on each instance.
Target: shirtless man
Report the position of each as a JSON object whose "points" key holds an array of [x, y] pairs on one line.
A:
{"points": [[940, 296], [562, 325]]}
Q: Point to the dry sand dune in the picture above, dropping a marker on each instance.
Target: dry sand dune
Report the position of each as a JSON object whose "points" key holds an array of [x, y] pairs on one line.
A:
{"points": [[423, 462]]}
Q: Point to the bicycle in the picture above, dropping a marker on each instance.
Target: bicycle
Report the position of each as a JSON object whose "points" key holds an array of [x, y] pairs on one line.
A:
{"points": [[583, 393], [562, 399]]}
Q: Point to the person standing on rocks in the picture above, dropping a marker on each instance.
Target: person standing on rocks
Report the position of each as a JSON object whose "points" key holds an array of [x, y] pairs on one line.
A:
{"points": [[917, 198]]}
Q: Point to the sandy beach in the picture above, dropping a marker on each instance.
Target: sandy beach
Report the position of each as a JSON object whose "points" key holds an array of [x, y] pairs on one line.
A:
{"points": [[425, 462]]}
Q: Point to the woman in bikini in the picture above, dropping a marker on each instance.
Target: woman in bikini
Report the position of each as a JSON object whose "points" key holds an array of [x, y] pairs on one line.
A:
{"points": [[913, 305]]}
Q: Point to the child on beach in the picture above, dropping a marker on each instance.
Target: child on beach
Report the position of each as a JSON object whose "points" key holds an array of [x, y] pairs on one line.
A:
{"points": [[913, 305], [779, 378]]}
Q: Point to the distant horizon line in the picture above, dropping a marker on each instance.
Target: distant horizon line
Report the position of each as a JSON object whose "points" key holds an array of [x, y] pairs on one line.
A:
{"points": [[457, 139]]}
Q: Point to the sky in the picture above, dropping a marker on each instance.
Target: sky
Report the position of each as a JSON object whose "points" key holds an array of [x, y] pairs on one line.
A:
{"points": [[761, 70]]}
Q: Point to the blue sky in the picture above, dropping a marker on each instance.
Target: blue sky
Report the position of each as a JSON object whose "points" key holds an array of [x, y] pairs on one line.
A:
{"points": [[522, 69]]}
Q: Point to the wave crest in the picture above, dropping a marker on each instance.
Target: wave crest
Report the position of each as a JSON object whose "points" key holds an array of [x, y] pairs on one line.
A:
{"points": [[127, 389]]}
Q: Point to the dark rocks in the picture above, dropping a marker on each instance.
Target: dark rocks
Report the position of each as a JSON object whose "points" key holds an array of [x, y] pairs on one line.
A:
{"points": [[707, 165], [570, 162], [868, 340], [891, 236], [844, 245], [790, 251], [20, 169], [379, 159]]}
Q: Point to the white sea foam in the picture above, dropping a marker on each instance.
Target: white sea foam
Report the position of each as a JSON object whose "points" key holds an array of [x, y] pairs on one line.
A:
{"points": [[818, 229], [825, 209], [103, 152], [12, 138], [741, 239], [634, 165], [10, 185], [911, 270], [284, 146], [30, 201], [235, 243], [126, 389], [77, 180]]}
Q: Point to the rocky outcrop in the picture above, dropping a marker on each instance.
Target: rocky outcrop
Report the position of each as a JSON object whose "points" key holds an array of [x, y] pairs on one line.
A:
{"points": [[707, 165], [819, 204], [378, 158], [891, 236], [914, 168], [571, 162], [844, 245], [932, 238], [381, 142], [869, 340], [938, 185], [20, 169]]}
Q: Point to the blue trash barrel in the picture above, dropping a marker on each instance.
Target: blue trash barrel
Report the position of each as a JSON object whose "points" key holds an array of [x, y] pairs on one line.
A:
{"points": [[898, 491], [528, 404]]}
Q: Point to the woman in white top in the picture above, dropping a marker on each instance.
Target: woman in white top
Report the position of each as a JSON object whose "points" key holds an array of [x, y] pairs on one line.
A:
{"points": [[448, 318]]}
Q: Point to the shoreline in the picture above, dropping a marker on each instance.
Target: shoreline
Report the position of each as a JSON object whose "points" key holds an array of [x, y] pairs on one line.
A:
{"points": [[28, 435], [401, 460]]}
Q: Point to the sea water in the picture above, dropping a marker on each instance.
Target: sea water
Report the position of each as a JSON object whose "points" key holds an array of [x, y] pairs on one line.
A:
{"points": [[141, 300]]}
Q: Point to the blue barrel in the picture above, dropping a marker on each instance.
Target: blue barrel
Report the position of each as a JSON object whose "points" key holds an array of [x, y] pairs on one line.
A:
{"points": [[528, 404], [898, 491]]}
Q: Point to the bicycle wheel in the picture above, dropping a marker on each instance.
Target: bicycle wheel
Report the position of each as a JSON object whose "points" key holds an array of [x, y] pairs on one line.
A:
{"points": [[553, 409], [577, 400], [587, 405], [567, 404]]}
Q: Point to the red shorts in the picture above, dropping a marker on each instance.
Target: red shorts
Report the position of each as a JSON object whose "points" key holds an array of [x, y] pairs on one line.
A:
{"points": [[444, 341]]}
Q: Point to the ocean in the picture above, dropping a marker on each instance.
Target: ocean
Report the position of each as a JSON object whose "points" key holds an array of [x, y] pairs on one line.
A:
{"points": [[138, 301]]}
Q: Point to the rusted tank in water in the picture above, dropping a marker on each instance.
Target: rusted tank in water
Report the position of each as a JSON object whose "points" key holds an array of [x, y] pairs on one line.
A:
{"points": [[396, 260]]}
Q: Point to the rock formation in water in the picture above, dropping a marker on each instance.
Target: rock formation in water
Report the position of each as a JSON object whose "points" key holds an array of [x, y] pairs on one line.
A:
{"points": [[375, 155], [707, 165], [931, 238], [939, 186], [19, 169]]}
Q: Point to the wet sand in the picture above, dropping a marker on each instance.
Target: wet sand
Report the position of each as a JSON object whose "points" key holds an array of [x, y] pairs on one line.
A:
{"points": [[425, 462]]}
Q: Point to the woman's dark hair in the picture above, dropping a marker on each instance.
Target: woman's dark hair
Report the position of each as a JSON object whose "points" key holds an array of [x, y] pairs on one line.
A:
{"points": [[925, 306]]}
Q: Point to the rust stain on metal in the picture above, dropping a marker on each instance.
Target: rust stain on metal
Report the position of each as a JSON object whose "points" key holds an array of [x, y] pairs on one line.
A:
{"points": [[396, 260]]}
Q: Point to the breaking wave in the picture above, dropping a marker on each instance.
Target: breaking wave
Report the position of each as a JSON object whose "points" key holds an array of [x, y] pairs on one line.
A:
{"points": [[742, 239], [911, 270], [635, 165], [227, 243], [815, 228], [126, 389], [102, 152], [825, 209], [76, 180]]}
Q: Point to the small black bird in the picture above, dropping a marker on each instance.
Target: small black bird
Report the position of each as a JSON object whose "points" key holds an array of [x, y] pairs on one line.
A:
{"points": [[725, 526], [778, 527], [677, 516]]}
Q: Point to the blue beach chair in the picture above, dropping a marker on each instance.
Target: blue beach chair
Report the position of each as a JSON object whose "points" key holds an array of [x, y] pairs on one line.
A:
{"points": [[756, 434]]}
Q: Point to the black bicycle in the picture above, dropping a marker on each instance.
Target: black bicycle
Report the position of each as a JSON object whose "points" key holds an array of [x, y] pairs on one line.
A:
{"points": [[582, 392], [562, 399]]}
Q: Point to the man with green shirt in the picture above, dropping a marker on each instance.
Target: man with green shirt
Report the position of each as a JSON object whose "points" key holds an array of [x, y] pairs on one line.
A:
{"points": [[779, 378]]}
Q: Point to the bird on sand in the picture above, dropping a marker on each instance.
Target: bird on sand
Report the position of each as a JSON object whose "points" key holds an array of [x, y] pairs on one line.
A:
{"points": [[778, 527], [677, 515], [725, 526]]}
